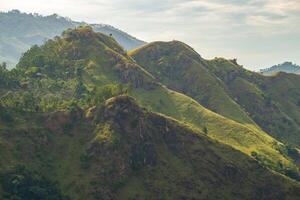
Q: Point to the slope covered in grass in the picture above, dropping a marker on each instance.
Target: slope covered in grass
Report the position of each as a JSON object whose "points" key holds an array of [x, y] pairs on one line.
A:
{"points": [[180, 68], [226, 88], [83, 68], [272, 102], [122, 151]]}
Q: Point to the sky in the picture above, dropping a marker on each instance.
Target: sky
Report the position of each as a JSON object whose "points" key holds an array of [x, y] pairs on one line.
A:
{"points": [[259, 33]]}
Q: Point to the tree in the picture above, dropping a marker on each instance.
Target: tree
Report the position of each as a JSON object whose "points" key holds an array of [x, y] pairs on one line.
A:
{"points": [[4, 115], [29, 101], [234, 61], [205, 130], [80, 90], [20, 183], [3, 66], [78, 72], [268, 101]]}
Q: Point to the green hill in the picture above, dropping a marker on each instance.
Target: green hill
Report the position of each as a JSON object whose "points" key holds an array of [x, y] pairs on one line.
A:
{"points": [[180, 68], [86, 63], [272, 102], [56, 90], [226, 88], [121, 151], [22, 30]]}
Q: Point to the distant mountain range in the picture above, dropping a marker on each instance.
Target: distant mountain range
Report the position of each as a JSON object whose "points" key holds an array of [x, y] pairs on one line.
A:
{"points": [[21, 30], [287, 67]]}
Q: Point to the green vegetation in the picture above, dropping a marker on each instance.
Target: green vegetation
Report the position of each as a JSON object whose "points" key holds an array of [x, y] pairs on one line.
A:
{"points": [[180, 68], [246, 138], [67, 117], [223, 86], [122, 151], [23, 184], [24, 30], [270, 101]]}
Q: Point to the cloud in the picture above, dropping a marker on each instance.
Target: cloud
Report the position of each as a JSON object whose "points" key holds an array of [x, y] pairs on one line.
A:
{"points": [[259, 32]]}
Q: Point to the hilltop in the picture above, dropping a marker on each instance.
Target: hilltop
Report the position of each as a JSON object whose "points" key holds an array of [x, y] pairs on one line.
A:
{"points": [[23, 30], [179, 67], [227, 88], [287, 67]]}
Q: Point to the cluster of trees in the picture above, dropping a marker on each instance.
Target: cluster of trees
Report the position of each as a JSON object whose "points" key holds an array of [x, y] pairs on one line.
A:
{"points": [[5, 115], [6, 77], [99, 94], [52, 61], [21, 183], [25, 101], [3, 66], [46, 98]]}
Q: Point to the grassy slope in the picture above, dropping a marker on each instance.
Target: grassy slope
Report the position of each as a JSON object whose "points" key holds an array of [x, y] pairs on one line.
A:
{"points": [[246, 138], [121, 151], [180, 68], [226, 88], [104, 62], [273, 102], [284, 88]]}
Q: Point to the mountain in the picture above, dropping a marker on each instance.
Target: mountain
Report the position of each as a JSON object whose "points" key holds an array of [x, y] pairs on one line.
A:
{"points": [[272, 102], [287, 67], [24, 30], [225, 87], [82, 63], [122, 151], [69, 129], [181, 68]]}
